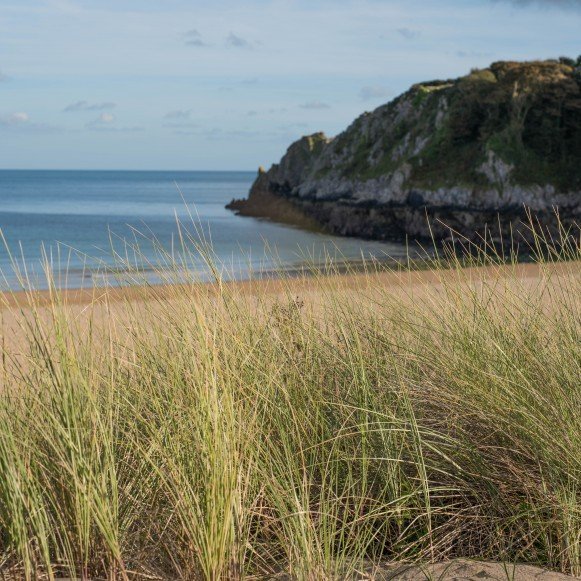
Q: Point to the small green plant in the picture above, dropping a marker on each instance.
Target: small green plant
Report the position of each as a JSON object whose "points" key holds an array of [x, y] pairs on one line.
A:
{"points": [[420, 96]]}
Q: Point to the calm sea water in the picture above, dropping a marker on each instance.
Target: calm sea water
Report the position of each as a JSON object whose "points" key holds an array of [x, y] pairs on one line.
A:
{"points": [[79, 220]]}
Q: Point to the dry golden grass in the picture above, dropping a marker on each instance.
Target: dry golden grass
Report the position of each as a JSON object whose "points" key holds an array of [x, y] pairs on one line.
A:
{"points": [[305, 426]]}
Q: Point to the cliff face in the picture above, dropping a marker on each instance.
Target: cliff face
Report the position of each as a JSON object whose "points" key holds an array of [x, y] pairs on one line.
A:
{"points": [[467, 154]]}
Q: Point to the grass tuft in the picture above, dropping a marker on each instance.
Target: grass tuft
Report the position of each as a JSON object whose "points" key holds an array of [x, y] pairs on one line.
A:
{"points": [[311, 426]]}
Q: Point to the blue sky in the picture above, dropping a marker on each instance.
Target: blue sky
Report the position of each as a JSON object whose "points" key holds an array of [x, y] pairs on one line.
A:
{"points": [[224, 84]]}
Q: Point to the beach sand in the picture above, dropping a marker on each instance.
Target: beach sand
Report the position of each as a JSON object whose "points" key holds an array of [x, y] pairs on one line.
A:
{"points": [[277, 285], [116, 305]]}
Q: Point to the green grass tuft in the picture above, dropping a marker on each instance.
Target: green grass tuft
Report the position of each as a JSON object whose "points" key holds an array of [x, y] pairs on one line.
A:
{"points": [[213, 434]]}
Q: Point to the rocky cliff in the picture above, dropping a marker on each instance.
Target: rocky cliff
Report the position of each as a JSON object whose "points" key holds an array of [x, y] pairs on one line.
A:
{"points": [[472, 154]]}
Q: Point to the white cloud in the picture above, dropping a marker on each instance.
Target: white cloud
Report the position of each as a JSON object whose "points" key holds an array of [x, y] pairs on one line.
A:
{"points": [[18, 118], [194, 38], [21, 121], [178, 114], [86, 106], [236, 41], [14, 120], [408, 33], [315, 105], [103, 120], [179, 119]]}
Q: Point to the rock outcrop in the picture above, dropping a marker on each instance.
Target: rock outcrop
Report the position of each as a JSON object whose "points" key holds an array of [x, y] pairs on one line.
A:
{"points": [[477, 154]]}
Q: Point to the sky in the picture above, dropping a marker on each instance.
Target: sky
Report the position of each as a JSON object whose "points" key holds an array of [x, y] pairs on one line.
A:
{"points": [[229, 84]]}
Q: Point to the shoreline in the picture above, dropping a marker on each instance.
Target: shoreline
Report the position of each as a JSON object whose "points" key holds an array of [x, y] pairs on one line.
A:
{"points": [[82, 295], [347, 275]]}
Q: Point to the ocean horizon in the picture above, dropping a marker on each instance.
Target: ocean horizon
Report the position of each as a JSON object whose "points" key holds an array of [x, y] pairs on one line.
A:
{"points": [[114, 227]]}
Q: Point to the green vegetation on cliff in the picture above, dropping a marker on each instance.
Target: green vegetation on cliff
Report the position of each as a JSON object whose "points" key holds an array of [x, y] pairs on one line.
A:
{"points": [[527, 114], [452, 155]]}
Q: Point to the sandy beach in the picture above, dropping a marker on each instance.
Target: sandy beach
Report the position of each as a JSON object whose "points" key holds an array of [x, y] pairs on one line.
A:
{"points": [[276, 285], [101, 307]]}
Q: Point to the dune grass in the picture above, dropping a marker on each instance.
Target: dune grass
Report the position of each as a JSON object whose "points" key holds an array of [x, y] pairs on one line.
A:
{"points": [[315, 433]]}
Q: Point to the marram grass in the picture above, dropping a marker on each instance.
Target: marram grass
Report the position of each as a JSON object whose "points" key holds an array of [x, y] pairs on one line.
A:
{"points": [[312, 432]]}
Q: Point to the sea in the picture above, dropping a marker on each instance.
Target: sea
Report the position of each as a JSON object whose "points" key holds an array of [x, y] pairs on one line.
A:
{"points": [[76, 229]]}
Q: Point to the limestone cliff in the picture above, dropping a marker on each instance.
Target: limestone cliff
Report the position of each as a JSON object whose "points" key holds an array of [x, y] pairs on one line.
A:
{"points": [[468, 154]]}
